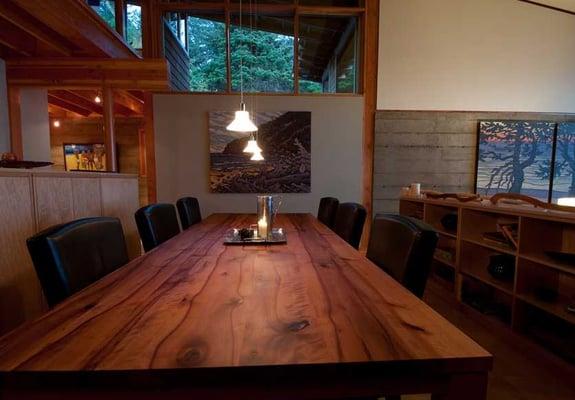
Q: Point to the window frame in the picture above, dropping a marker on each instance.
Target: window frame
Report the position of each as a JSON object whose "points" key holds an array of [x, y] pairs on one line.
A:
{"points": [[293, 9]]}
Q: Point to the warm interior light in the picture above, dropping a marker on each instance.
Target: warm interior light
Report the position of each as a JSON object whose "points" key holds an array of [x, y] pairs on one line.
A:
{"points": [[257, 156], [242, 122], [252, 146], [566, 201], [56, 124], [98, 99]]}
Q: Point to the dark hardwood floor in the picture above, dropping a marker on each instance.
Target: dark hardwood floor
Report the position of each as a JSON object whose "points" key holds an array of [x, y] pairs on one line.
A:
{"points": [[522, 370]]}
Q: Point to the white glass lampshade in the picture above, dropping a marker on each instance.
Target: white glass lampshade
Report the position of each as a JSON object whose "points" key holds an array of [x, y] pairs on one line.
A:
{"points": [[252, 147], [566, 201], [257, 156], [242, 122]]}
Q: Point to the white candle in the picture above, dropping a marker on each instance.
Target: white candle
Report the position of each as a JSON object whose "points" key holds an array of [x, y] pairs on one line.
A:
{"points": [[262, 228]]}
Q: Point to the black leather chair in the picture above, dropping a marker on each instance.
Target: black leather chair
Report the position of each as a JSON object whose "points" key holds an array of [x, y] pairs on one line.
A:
{"points": [[189, 211], [327, 210], [156, 224], [403, 247], [71, 256], [349, 221]]}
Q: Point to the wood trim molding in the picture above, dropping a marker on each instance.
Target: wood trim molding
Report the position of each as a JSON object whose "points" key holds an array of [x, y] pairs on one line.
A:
{"points": [[109, 131], [15, 117], [370, 65], [149, 137], [538, 4]]}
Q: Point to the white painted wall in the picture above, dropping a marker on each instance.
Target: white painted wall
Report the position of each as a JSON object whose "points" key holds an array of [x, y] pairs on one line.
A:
{"points": [[35, 124], [182, 149], [489, 55], [4, 121]]}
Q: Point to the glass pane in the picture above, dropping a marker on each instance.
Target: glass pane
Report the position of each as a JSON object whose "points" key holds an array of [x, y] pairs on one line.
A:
{"points": [[328, 54], [207, 53], [106, 10], [134, 26], [263, 49]]}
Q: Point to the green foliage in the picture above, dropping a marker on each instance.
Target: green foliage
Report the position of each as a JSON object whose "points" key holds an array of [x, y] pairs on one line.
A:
{"points": [[310, 86], [134, 26], [107, 12], [207, 52], [265, 58]]}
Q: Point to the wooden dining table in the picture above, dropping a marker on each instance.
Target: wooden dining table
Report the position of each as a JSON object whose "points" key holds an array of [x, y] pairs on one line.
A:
{"points": [[197, 319]]}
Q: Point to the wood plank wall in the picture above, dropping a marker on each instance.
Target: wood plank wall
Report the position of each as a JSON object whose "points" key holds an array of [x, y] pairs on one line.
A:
{"points": [[435, 148], [34, 201], [178, 59], [91, 130]]}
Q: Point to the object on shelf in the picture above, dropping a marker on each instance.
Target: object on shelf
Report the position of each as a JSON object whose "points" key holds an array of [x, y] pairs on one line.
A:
{"points": [[502, 267], [23, 164], [571, 307], [511, 232], [546, 294], [246, 233], [562, 256], [449, 222], [483, 299], [523, 200], [496, 238], [462, 197], [415, 189], [445, 255]]}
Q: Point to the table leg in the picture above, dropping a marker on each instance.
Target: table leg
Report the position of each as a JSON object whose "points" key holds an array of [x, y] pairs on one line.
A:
{"points": [[466, 386]]}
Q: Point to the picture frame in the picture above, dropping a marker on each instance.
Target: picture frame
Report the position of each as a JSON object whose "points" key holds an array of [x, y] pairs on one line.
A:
{"points": [[85, 157]]}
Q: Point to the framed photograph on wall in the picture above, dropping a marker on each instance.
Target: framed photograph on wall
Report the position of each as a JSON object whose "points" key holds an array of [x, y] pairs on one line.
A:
{"points": [[85, 157], [515, 157], [564, 177]]}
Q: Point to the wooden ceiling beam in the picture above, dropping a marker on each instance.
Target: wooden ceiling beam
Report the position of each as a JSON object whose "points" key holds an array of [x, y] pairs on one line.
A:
{"points": [[80, 24], [125, 99], [68, 106], [28, 24], [149, 74], [119, 107], [15, 39], [73, 98]]}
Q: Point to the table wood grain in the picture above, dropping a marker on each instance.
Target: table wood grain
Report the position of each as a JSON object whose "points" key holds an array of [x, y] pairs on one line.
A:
{"points": [[312, 318]]}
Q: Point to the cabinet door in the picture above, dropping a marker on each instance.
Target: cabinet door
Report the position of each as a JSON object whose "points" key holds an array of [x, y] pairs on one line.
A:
{"points": [[20, 293], [86, 197], [54, 200], [120, 200]]}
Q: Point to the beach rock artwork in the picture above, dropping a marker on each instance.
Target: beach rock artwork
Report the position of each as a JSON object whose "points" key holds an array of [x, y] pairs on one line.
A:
{"points": [[515, 157], [284, 137]]}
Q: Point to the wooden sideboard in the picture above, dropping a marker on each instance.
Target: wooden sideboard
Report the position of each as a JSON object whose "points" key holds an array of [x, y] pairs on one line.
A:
{"points": [[534, 300], [34, 200]]}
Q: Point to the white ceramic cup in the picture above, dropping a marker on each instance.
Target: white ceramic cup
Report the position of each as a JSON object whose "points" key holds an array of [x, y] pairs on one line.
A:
{"points": [[415, 189]]}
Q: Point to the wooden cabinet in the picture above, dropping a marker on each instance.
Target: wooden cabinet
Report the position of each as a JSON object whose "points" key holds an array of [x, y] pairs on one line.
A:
{"points": [[535, 298], [33, 201]]}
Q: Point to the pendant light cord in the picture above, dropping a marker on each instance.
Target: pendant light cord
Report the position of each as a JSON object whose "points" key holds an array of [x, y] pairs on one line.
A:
{"points": [[242, 105]]}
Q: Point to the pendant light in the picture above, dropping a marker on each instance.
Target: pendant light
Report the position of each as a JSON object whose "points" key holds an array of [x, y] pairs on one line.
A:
{"points": [[242, 122], [257, 156], [252, 146]]}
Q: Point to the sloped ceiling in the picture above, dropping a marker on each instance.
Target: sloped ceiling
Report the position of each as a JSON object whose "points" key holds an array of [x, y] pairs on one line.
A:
{"points": [[568, 5]]}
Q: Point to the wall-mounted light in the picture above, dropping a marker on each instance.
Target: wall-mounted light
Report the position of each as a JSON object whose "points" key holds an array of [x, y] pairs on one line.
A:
{"points": [[56, 123]]}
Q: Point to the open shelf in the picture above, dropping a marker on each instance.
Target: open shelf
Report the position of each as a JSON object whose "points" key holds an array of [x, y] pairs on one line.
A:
{"points": [[412, 209], [474, 261], [434, 215], [534, 299]]}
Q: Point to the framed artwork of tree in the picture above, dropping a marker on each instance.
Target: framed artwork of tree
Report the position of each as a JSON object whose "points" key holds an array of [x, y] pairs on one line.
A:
{"points": [[516, 157], [564, 176]]}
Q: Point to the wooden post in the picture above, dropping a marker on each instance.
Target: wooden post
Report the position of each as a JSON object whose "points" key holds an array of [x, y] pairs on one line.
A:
{"points": [[120, 9], [150, 146], [369, 83], [109, 133], [15, 117]]}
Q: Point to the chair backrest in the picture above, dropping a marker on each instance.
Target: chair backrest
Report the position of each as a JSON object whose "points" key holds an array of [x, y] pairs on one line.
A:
{"points": [[403, 247], [349, 221], [189, 211], [156, 224], [327, 210], [71, 256]]}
